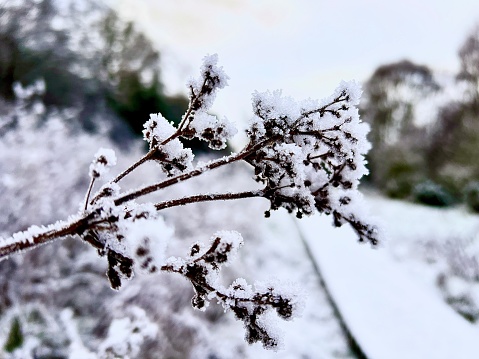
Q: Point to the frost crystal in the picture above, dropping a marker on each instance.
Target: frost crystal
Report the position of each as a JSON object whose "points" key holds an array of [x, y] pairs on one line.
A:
{"points": [[146, 241], [126, 335], [157, 129], [173, 158]]}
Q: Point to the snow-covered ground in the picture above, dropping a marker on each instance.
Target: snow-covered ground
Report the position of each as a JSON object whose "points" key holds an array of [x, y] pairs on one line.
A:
{"points": [[390, 298]]}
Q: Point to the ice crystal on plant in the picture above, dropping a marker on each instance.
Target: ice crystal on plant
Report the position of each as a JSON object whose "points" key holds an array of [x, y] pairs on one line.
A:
{"points": [[169, 152], [157, 129], [146, 241]]}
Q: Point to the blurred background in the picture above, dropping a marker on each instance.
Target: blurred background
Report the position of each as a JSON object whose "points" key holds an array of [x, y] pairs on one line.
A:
{"points": [[78, 75]]}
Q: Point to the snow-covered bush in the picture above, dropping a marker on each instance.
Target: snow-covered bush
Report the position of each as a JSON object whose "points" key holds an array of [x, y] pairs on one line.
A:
{"points": [[308, 157], [432, 194], [471, 196]]}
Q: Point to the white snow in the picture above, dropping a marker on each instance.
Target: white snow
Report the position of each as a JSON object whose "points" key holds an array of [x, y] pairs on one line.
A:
{"points": [[146, 241], [127, 334], [389, 312], [217, 132], [157, 128]]}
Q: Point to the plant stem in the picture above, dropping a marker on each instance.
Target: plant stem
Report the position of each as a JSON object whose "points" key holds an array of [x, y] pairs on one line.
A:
{"points": [[23, 240], [196, 172], [87, 197], [142, 160], [207, 197], [76, 227], [180, 178]]}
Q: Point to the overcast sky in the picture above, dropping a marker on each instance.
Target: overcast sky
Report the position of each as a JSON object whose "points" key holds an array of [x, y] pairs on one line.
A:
{"points": [[304, 47]]}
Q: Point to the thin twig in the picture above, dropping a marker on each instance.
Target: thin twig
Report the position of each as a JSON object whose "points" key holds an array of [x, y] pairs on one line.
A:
{"points": [[206, 198], [196, 172], [87, 197], [142, 160], [177, 179], [186, 116]]}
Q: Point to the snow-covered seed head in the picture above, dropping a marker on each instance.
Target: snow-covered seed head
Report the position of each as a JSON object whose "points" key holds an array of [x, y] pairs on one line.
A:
{"points": [[103, 160], [314, 154], [203, 90], [214, 131], [157, 129]]}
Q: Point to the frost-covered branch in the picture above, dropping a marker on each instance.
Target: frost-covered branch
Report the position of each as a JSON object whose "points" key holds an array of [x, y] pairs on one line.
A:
{"points": [[308, 156], [179, 178], [248, 305], [35, 236]]}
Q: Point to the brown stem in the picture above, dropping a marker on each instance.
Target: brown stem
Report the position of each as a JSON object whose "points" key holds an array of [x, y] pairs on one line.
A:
{"points": [[320, 110], [83, 224], [187, 115], [180, 178], [207, 197], [175, 135], [207, 287], [130, 169], [87, 197], [196, 172], [142, 160]]}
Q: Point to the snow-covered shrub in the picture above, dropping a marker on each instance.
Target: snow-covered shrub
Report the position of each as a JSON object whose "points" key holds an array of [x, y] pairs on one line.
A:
{"points": [[307, 157], [471, 196], [459, 279], [432, 194]]}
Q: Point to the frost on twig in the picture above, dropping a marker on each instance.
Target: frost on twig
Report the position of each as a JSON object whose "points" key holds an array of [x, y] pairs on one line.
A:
{"points": [[309, 157], [202, 92], [168, 152]]}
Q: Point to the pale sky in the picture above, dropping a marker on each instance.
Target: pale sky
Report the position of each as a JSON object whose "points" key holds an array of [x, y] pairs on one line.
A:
{"points": [[304, 47]]}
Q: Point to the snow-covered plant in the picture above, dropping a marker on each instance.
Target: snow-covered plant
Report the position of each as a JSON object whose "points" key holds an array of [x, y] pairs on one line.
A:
{"points": [[308, 157]]}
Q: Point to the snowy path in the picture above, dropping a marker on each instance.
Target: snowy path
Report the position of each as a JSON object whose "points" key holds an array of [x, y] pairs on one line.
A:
{"points": [[389, 313]]}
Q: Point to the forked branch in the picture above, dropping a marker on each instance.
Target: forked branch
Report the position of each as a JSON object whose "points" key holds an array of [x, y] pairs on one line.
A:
{"points": [[308, 157]]}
